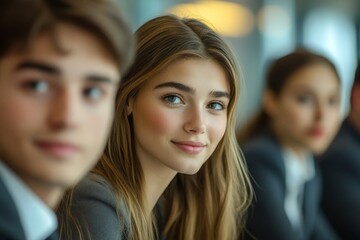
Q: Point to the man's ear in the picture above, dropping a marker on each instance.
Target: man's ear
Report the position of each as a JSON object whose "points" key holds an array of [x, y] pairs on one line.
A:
{"points": [[270, 103], [129, 106]]}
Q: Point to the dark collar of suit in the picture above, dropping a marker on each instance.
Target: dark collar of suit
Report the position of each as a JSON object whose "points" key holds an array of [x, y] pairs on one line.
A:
{"points": [[10, 223], [53, 236]]}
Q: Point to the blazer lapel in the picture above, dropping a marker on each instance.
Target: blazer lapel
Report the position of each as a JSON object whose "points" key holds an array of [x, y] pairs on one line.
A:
{"points": [[310, 207], [53, 236], [10, 223]]}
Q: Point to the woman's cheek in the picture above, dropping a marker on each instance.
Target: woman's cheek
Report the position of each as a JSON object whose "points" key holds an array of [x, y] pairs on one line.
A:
{"points": [[161, 120]]}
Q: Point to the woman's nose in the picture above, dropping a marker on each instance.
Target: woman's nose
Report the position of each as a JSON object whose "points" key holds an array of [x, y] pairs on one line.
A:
{"points": [[196, 122]]}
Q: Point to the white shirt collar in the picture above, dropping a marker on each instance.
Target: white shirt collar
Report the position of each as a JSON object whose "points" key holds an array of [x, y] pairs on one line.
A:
{"points": [[37, 219], [301, 170], [297, 173]]}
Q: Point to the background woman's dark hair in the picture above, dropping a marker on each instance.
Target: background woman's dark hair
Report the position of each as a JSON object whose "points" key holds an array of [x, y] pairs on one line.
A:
{"points": [[279, 72]]}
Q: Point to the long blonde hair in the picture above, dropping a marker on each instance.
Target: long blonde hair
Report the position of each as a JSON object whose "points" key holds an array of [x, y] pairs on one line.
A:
{"points": [[210, 204]]}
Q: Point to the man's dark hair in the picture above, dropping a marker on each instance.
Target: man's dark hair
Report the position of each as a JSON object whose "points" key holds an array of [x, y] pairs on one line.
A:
{"points": [[22, 21]]}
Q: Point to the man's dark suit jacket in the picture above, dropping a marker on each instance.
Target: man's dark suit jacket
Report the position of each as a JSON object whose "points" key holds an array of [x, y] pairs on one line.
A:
{"points": [[10, 224], [267, 218], [341, 173]]}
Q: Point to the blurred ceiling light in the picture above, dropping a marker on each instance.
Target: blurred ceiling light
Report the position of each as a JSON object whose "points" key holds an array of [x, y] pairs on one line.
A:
{"points": [[229, 19], [274, 21]]}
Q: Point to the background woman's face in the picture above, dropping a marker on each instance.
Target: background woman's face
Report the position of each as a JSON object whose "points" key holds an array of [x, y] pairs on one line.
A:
{"points": [[306, 114]]}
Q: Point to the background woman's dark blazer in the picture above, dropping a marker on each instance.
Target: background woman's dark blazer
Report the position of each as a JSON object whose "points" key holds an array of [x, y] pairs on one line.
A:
{"points": [[267, 218], [341, 171]]}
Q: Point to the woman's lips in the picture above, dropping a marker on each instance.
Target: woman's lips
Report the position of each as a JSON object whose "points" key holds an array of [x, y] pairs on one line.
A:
{"points": [[190, 147], [316, 132]]}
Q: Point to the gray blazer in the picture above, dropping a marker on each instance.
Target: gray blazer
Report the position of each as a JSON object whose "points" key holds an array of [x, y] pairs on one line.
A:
{"points": [[95, 208]]}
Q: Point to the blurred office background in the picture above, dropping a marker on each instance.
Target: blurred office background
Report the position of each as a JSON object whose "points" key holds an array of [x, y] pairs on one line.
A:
{"points": [[261, 30]]}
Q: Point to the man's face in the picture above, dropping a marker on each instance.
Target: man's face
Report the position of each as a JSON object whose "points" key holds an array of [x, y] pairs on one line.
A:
{"points": [[56, 108]]}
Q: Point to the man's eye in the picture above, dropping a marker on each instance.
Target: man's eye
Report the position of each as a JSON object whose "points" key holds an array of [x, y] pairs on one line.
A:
{"points": [[93, 93], [37, 86]]}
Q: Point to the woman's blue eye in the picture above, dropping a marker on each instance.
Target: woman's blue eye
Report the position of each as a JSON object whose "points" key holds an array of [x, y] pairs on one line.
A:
{"points": [[304, 99], [216, 106], [172, 99]]}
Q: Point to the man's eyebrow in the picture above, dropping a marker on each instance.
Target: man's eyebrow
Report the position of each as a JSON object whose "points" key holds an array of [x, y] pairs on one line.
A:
{"points": [[97, 78], [179, 86], [53, 70], [219, 94], [39, 66]]}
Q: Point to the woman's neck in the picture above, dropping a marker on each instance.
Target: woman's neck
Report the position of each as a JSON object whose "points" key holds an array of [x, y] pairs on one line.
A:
{"points": [[298, 149], [156, 177]]}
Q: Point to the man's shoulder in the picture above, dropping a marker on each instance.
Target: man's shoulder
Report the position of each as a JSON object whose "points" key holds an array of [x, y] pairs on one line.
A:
{"points": [[344, 146], [343, 152]]}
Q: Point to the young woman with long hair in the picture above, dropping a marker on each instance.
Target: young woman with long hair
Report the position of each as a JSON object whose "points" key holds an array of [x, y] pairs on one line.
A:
{"points": [[172, 151]]}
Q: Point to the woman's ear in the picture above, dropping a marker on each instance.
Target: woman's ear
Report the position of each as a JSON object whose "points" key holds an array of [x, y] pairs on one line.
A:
{"points": [[270, 103], [129, 106]]}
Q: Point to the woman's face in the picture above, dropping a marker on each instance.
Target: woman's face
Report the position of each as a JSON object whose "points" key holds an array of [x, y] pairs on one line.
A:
{"points": [[180, 116], [306, 114]]}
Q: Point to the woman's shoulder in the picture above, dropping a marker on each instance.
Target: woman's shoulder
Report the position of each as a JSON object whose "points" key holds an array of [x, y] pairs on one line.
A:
{"points": [[96, 189], [94, 201], [94, 185]]}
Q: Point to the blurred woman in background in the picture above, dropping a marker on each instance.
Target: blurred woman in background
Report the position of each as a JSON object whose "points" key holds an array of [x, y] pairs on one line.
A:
{"points": [[299, 117]]}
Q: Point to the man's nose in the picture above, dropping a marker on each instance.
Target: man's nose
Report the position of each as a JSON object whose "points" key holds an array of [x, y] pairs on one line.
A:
{"points": [[65, 109]]}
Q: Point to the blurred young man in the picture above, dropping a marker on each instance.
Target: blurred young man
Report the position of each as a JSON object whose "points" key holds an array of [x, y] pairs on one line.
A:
{"points": [[60, 65], [341, 172]]}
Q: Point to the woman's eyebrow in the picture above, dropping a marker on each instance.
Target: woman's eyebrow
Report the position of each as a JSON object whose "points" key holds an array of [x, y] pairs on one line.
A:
{"points": [[219, 94], [176, 85], [182, 87]]}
